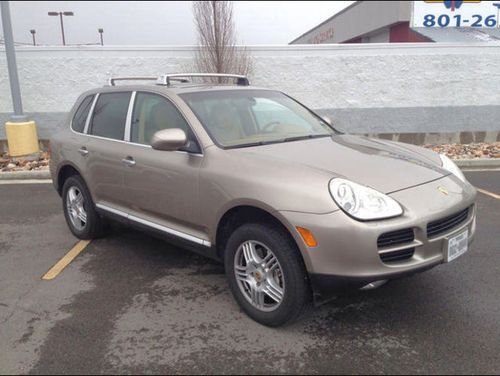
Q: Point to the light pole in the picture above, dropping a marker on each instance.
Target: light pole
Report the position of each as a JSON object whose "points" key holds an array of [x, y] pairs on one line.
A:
{"points": [[33, 32], [61, 14], [22, 137], [100, 30]]}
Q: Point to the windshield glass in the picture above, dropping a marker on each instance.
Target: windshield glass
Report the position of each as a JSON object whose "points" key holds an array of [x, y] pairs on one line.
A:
{"points": [[237, 118]]}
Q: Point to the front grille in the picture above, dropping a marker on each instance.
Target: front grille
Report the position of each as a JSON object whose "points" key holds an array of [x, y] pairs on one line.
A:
{"points": [[400, 255], [443, 225], [396, 237]]}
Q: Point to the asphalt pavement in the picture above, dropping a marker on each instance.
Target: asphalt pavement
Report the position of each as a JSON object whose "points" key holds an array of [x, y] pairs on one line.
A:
{"points": [[131, 303]]}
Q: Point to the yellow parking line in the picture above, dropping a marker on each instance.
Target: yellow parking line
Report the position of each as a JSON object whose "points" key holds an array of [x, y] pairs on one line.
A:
{"points": [[62, 263], [491, 194]]}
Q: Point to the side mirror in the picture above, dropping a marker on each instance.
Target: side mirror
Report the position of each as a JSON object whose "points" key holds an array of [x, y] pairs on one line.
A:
{"points": [[169, 139], [328, 120]]}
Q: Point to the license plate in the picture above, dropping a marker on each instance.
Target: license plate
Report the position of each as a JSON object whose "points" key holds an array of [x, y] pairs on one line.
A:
{"points": [[457, 246]]}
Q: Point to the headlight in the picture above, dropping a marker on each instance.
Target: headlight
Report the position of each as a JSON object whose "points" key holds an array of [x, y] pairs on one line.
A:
{"points": [[450, 166], [362, 202]]}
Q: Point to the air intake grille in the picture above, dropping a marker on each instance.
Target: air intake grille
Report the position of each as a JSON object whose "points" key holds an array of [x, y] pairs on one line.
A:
{"points": [[400, 255], [396, 237], [443, 225]]}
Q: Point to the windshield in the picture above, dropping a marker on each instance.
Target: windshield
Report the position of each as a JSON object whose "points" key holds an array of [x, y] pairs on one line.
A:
{"points": [[237, 118]]}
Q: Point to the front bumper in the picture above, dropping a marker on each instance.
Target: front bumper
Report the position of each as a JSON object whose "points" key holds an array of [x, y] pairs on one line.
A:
{"points": [[347, 254]]}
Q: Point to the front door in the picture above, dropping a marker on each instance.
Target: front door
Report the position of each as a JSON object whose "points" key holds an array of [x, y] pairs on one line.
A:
{"points": [[162, 186]]}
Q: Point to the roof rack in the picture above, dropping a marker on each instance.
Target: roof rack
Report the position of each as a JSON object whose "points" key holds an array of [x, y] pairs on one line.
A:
{"points": [[165, 79], [111, 81]]}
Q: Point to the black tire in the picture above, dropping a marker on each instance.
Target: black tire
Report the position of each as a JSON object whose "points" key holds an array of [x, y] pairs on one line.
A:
{"points": [[94, 226], [297, 293]]}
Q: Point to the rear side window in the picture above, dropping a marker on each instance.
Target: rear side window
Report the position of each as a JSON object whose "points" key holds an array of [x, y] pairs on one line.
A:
{"points": [[80, 117], [110, 115]]}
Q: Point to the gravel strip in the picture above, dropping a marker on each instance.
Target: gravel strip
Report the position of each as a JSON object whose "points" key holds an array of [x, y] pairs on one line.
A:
{"points": [[479, 150]]}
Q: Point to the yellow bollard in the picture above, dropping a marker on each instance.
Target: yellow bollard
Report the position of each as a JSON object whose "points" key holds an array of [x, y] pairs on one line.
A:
{"points": [[22, 138]]}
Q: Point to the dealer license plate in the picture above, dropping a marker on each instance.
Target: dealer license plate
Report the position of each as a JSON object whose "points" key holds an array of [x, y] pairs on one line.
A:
{"points": [[457, 246]]}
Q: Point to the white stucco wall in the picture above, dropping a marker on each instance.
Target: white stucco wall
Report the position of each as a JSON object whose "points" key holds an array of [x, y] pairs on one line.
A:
{"points": [[373, 84]]}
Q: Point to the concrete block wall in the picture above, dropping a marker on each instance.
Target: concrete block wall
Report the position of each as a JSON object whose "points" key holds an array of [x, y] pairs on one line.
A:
{"points": [[414, 92]]}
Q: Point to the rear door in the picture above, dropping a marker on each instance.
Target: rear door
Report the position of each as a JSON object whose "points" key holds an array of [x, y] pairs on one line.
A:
{"points": [[105, 167]]}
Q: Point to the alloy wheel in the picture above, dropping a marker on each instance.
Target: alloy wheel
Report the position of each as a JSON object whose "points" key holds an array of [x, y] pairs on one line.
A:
{"points": [[75, 208], [259, 275]]}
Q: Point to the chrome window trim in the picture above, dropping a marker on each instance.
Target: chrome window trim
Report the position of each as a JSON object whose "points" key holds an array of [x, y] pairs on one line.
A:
{"points": [[175, 151], [156, 226], [91, 113], [136, 144], [128, 121]]}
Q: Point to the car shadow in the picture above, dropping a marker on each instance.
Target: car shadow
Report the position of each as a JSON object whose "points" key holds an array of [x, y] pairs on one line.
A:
{"points": [[152, 300]]}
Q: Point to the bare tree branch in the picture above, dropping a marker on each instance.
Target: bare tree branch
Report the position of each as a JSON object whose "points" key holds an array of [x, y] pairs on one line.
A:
{"points": [[217, 51]]}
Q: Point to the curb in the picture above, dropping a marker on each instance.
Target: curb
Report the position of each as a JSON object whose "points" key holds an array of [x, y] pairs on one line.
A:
{"points": [[477, 163], [25, 175]]}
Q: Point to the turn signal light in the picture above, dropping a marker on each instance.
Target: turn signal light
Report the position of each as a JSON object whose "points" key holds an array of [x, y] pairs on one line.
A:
{"points": [[307, 236]]}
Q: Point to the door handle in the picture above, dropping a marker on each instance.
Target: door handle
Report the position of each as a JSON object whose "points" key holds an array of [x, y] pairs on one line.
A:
{"points": [[129, 161], [83, 151]]}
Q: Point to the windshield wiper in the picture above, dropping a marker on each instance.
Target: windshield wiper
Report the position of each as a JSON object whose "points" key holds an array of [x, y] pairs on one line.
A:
{"points": [[279, 141], [258, 143], [309, 136]]}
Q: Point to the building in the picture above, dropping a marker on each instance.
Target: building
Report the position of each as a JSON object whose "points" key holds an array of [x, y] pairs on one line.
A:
{"points": [[366, 22], [386, 22]]}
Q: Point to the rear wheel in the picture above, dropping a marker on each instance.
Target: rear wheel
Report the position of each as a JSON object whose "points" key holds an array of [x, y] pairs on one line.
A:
{"points": [[79, 210], [266, 274]]}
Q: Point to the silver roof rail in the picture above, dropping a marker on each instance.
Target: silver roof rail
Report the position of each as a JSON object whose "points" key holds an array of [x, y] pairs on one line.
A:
{"points": [[112, 80], [166, 78]]}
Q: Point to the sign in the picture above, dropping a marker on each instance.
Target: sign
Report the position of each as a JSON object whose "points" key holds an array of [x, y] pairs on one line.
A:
{"points": [[449, 13], [323, 36]]}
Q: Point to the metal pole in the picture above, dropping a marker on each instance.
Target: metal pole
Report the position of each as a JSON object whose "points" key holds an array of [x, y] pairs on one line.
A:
{"points": [[62, 28], [33, 34], [11, 64], [100, 31]]}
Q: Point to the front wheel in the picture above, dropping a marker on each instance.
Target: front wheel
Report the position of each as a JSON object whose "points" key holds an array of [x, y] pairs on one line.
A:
{"points": [[266, 274]]}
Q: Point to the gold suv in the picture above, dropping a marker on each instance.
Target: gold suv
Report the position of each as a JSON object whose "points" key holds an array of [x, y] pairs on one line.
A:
{"points": [[295, 209]]}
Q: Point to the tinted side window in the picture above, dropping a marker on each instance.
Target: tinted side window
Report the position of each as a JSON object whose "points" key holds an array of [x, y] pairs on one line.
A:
{"points": [[81, 114], [152, 113], [110, 114]]}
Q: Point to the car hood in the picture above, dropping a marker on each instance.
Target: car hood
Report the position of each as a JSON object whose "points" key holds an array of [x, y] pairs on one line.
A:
{"points": [[379, 164]]}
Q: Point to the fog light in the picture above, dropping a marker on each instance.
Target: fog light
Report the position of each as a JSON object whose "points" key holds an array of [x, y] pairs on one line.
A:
{"points": [[307, 236]]}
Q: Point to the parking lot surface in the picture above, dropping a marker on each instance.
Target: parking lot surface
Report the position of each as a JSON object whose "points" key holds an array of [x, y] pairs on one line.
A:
{"points": [[131, 303]]}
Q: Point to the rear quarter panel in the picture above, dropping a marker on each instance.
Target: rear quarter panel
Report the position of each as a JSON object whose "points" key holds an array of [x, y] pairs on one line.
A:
{"points": [[64, 152], [64, 145]]}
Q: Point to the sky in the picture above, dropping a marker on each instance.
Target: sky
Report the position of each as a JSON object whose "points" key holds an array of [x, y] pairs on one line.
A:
{"points": [[163, 22]]}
